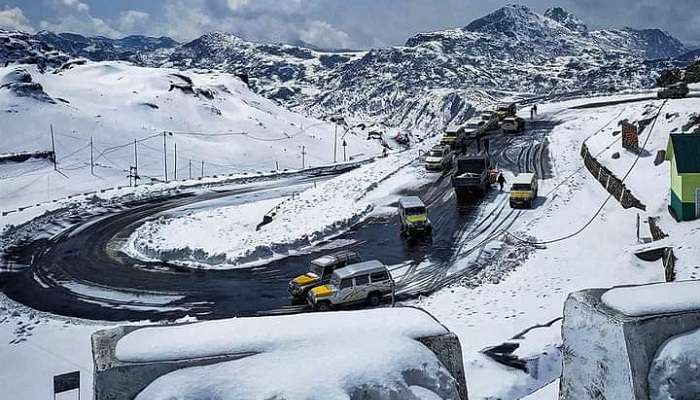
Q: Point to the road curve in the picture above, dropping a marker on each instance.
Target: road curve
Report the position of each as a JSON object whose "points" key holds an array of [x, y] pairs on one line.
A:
{"points": [[81, 272]]}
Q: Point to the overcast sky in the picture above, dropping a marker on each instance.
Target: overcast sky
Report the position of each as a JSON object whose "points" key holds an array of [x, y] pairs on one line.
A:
{"points": [[325, 23]]}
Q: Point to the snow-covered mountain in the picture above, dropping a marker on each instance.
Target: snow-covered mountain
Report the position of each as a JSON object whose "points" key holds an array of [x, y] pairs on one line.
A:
{"points": [[100, 48], [116, 108], [436, 78]]}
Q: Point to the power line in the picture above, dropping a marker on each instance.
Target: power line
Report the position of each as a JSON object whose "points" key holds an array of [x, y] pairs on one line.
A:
{"points": [[605, 202]]}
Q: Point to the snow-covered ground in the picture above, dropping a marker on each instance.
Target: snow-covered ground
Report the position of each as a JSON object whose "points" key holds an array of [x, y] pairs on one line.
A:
{"points": [[493, 307], [233, 240], [211, 117]]}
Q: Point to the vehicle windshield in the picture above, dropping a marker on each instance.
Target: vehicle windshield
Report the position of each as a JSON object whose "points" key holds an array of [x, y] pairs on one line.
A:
{"points": [[472, 125], [317, 269], [451, 134], [521, 186], [486, 117], [335, 280], [415, 211], [504, 108], [435, 153]]}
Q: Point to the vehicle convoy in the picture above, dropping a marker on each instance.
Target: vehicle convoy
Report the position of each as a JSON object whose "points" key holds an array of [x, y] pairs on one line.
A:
{"points": [[414, 216], [513, 125], [369, 282], [677, 90], [472, 177], [505, 110], [439, 158], [523, 191], [451, 136], [320, 272]]}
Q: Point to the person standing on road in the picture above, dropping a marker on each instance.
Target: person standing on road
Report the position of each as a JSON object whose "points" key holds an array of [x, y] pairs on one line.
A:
{"points": [[534, 107], [532, 112], [501, 181]]}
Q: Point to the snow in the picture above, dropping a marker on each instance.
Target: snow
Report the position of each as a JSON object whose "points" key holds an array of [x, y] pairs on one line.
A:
{"points": [[378, 367], [372, 351], [496, 303], [673, 373], [513, 289], [654, 299], [35, 347], [234, 131], [225, 238], [263, 334]]}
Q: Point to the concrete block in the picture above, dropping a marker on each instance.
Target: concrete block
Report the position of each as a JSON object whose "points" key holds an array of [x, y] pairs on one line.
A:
{"points": [[607, 354], [118, 380]]}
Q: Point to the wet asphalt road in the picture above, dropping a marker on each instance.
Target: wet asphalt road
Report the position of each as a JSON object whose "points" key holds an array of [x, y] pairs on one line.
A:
{"points": [[82, 273]]}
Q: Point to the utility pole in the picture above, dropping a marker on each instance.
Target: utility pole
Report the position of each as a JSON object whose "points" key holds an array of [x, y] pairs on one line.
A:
{"points": [[165, 157], [136, 163], [175, 168], [303, 159], [335, 144], [53, 148], [190, 168], [92, 159], [202, 175]]}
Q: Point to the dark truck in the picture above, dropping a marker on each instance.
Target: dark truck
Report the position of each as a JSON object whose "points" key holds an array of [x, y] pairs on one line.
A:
{"points": [[471, 176]]}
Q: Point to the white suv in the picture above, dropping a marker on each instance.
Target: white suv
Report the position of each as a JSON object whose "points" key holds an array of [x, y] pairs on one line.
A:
{"points": [[368, 281]]}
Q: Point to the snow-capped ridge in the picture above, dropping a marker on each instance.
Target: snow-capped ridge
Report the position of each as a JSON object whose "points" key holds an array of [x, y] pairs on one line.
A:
{"points": [[566, 18]]}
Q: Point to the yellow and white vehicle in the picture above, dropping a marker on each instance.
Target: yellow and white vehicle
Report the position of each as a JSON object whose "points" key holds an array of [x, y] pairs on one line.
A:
{"points": [[414, 216], [505, 110], [451, 136], [320, 272], [439, 158], [523, 191], [369, 282]]}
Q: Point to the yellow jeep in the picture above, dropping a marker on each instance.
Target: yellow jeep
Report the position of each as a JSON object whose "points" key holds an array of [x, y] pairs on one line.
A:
{"points": [[523, 191]]}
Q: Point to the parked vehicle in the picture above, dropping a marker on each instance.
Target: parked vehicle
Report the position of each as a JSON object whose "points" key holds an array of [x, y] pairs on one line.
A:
{"points": [[474, 128], [451, 136], [513, 125], [320, 272], [369, 282], [490, 120], [523, 191], [414, 216], [472, 176], [505, 110], [677, 90], [439, 158]]}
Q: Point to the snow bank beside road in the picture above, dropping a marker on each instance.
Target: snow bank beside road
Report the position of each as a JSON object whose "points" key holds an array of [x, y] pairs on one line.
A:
{"points": [[222, 241]]}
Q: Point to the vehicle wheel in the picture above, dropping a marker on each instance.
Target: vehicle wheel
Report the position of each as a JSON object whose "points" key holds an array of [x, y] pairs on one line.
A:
{"points": [[374, 299], [323, 306]]}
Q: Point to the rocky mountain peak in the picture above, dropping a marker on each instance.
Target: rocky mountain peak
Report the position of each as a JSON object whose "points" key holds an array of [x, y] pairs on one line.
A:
{"points": [[566, 18]]}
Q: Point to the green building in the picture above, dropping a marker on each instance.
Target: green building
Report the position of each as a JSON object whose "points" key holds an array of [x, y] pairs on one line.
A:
{"points": [[683, 150]]}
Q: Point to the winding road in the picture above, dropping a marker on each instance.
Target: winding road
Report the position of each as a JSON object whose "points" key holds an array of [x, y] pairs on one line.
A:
{"points": [[81, 272]]}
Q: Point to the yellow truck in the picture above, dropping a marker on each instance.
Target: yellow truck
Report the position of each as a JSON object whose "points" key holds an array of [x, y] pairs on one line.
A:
{"points": [[451, 136], [505, 110], [523, 191]]}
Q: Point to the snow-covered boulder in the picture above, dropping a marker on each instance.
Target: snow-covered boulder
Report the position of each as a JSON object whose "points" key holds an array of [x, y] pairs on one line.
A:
{"points": [[387, 353], [20, 82], [612, 337]]}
